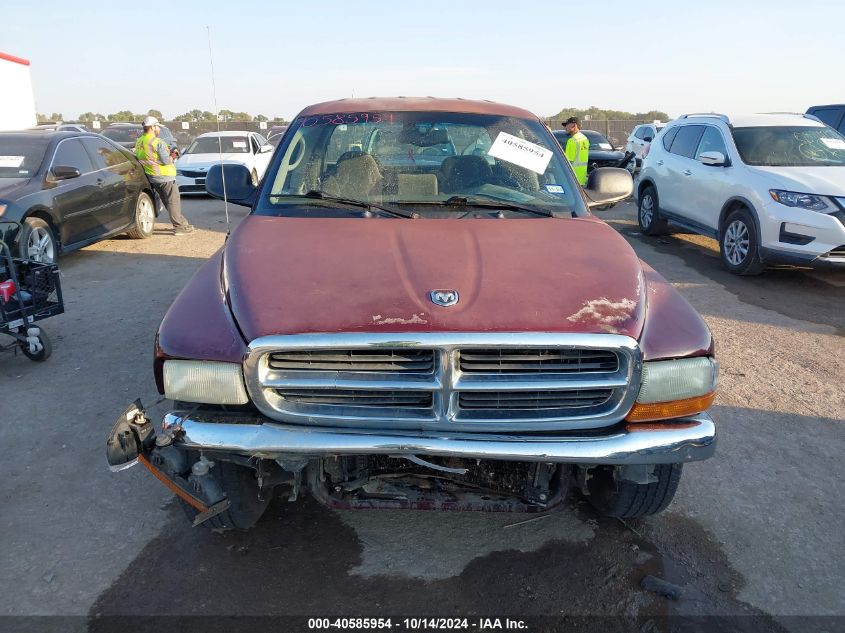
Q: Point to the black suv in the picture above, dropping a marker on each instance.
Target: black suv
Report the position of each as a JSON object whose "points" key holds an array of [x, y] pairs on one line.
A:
{"points": [[832, 115]]}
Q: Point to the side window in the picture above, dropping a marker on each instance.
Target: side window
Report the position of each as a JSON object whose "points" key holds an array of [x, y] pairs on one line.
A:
{"points": [[254, 144], [828, 116], [669, 136], [686, 140], [103, 153], [640, 133], [711, 141], [70, 153], [648, 132]]}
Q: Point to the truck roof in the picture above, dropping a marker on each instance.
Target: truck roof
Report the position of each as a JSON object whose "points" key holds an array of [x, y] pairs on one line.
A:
{"points": [[416, 104]]}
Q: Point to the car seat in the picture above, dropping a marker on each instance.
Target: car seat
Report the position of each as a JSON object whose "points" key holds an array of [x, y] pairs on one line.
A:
{"points": [[357, 177], [461, 173]]}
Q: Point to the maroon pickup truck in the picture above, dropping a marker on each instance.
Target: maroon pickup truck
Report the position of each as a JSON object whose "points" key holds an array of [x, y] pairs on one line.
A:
{"points": [[421, 312]]}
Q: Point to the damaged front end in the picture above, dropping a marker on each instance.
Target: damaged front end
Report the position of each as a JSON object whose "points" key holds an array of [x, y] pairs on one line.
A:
{"points": [[225, 490]]}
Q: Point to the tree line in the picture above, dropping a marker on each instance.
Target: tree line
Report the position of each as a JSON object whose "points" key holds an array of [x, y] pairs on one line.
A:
{"points": [[599, 114], [192, 116]]}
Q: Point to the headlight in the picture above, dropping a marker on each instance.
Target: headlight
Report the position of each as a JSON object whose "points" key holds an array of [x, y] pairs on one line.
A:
{"points": [[801, 200], [208, 382], [675, 388]]}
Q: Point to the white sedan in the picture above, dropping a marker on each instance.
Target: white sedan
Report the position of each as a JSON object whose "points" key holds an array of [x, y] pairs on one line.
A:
{"points": [[246, 148]]}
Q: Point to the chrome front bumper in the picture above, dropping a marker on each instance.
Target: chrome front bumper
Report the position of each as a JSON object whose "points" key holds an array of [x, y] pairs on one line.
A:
{"points": [[686, 440]]}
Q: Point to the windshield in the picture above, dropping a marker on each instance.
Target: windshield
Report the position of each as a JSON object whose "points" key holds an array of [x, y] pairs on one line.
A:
{"points": [[597, 140], [21, 157], [212, 144], [790, 146], [422, 159]]}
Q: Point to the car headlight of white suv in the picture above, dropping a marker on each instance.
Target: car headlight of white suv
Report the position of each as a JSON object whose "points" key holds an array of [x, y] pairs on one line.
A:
{"points": [[807, 201]]}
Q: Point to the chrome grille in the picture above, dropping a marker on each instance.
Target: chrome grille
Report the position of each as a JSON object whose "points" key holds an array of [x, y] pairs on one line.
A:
{"points": [[472, 382], [358, 397], [533, 400], [558, 361], [388, 360]]}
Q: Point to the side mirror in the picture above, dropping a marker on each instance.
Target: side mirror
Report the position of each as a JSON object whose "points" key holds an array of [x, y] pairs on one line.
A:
{"points": [[265, 148], [238, 181], [715, 159], [607, 186], [64, 172]]}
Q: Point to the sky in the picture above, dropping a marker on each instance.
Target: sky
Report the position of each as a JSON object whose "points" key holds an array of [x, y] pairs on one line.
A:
{"points": [[276, 57]]}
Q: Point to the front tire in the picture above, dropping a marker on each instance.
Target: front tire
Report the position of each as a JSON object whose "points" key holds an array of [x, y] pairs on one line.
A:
{"points": [[37, 242], [241, 487], [144, 219], [738, 244], [628, 500], [648, 213]]}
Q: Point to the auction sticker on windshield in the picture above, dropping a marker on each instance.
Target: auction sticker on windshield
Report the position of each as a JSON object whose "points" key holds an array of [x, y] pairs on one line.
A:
{"points": [[520, 152], [12, 162], [834, 143]]}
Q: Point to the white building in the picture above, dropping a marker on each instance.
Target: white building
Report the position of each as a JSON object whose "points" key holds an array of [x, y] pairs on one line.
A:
{"points": [[17, 103]]}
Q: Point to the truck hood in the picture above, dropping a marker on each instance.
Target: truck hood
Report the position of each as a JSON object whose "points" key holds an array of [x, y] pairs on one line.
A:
{"points": [[307, 275], [824, 181]]}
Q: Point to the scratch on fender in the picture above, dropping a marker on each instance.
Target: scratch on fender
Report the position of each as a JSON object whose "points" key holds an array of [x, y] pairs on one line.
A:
{"points": [[415, 319]]}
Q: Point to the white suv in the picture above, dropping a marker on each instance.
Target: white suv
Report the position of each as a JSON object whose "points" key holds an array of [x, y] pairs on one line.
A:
{"points": [[768, 187], [640, 138]]}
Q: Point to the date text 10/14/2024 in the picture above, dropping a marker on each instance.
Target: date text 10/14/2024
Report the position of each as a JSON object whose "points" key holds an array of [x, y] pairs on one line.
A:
{"points": [[417, 624]]}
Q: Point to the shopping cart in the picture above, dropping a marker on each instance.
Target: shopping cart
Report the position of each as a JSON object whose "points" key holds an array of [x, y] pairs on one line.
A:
{"points": [[30, 291]]}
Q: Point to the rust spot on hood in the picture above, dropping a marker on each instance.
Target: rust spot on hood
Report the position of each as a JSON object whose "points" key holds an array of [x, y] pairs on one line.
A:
{"points": [[414, 319], [605, 313]]}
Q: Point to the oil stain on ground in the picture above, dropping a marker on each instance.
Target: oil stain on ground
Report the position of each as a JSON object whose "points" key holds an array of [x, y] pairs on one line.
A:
{"points": [[305, 560]]}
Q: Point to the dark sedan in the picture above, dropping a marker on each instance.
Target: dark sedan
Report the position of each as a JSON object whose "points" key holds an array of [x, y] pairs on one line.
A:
{"points": [[125, 134], [602, 153], [69, 190]]}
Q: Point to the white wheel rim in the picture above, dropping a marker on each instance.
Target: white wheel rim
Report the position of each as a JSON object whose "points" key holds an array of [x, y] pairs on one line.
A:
{"points": [[646, 210], [39, 245], [146, 217], [737, 242]]}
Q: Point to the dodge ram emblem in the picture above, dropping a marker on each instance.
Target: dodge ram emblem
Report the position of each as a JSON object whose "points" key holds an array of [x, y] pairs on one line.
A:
{"points": [[444, 298]]}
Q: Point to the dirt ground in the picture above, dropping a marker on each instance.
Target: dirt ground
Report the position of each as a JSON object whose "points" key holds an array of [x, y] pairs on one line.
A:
{"points": [[754, 536]]}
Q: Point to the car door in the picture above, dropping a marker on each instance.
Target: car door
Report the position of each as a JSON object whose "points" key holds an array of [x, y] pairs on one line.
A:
{"points": [[75, 200], [705, 185], [677, 165], [117, 178]]}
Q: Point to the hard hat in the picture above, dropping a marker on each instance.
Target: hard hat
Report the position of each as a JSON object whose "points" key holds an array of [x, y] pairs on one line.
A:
{"points": [[150, 121]]}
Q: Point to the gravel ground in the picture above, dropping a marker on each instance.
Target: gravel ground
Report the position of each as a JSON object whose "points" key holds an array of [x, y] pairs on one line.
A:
{"points": [[757, 530]]}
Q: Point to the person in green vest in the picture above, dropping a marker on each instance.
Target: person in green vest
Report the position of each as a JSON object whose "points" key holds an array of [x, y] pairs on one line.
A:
{"points": [[577, 148], [157, 160]]}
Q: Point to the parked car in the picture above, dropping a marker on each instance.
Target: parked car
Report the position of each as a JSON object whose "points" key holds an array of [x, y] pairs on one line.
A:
{"points": [[832, 115], [60, 127], [126, 134], [768, 187], [640, 139], [601, 154], [69, 190], [466, 336], [244, 148]]}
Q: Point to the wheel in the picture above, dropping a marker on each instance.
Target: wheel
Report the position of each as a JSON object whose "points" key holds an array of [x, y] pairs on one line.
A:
{"points": [[45, 351], [37, 242], [254, 177], [648, 213], [144, 219], [738, 244], [625, 499], [241, 487]]}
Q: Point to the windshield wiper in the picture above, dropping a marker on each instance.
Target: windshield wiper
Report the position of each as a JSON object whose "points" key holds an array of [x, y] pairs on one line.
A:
{"points": [[487, 203], [315, 194]]}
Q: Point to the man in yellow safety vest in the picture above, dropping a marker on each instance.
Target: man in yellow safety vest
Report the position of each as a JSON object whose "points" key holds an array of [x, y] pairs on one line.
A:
{"points": [[157, 160], [577, 148]]}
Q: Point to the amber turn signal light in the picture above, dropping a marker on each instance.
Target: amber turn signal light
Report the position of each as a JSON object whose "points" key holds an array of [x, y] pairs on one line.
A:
{"points": [[669, 410]]}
